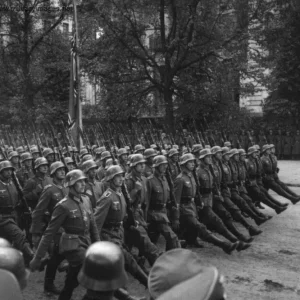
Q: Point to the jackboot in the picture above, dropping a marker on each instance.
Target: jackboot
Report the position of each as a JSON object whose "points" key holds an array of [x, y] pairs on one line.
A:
{"points": [[226, 246], [226, 233], [252, 230], [279, 210], [50, 288], [257, 219], [242, 246], [238, 234]]}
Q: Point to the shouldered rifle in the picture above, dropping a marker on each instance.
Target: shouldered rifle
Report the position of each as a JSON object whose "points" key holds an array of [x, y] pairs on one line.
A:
{"points": [[37, 140], [198, 201]]}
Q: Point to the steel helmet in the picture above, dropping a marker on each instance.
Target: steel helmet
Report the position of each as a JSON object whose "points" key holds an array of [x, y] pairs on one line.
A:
{"points": [[83, 152], [75, 149], [20, 150], [138, 148], [89, 164], [12, 260], [47, 151], [13, 154], [265, 147], [159, 160], [6, 164], [5, 243], [225, 150], [252, 150], [196, 148], [109, 163], [121, 151], [272, 146], [227, 144], [34, 149], [86, 158], [105, 154], [175, 146], [55, 166], [242, 152], [40, 161], [136, 159], [69, 160], [233, 152], [257, 147], [153, 146], [204, 153], [100, 150], [150, 152], [173, 152], [73, 176], [108, 258], [26, 156], [185, 158], [68, 149], [215, 149], [94, 147], [112, 171]]}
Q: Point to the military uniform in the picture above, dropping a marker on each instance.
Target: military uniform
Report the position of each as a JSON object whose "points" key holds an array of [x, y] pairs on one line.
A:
{"points": [[174, 169], [101, 172], [124, 167], [24, 174], [94, 190], [74, 214], [109, 215], [158, 195], [34, 187], [138, 236], [149, 170]]}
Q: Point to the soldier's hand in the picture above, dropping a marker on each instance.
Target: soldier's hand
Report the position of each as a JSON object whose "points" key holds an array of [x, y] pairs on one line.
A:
{"points": [[36, 240], [35, 264]]}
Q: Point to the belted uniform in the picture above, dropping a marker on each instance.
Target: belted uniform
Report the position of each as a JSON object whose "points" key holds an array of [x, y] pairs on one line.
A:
{"points": [[94, 190], [24, 174], [174, 169]]}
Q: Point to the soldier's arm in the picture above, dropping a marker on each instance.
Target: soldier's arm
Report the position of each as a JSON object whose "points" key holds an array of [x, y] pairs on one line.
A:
{"points": [[178, 185], [30, 191], [94, 230], [134, 193], [39, 212], [101, 211], [58, 217]]}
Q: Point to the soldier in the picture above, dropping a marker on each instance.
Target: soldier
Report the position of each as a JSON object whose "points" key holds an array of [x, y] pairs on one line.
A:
{"points": [[136, 185], [158, 195], [296, 146], [252, 187], [83, 152], [206, 214], [49, 154], [34, 152], [186, 278], [20, 150], [287, 146], [185, 193], [8, 216], [105, 155], [149, 156], [98, 153], [74, 214], [196, 152], [108, 284], [227, 144], [70, 163], [35, 185], [94, 189], [173, 160], [139, 149], [269, 180], [51, 195], [14, 158], [26, 171], [123, 159], [109, 215]]}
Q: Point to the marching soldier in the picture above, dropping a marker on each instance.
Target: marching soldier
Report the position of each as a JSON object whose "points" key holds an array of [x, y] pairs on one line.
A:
{"points": [[8, 217], [105, 155], [139, 149], [149, 155], [174, 167], [185, 193], [14, 158], [26, 171], [123, 159], [196, 152], [109, 215], [51, 195], [49, 154], [34, 152], [35, 185], [98, 153], [75, 215], [70, 163]]}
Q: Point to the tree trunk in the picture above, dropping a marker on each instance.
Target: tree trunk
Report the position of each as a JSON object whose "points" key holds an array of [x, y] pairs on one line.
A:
{"points": [[168, 100]]}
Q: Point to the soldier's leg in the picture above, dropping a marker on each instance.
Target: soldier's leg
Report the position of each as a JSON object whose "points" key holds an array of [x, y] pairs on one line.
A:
{"points": [[170, 236], [286, 188], [71, 282], [271, 184], [153, 232]]}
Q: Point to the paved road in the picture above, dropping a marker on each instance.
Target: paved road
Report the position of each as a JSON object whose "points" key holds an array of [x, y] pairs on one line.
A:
{"points": [[268, 270]]}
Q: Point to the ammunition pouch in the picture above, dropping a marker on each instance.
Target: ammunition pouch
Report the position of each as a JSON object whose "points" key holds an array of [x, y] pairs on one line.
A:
{"points": [[68, 242]]}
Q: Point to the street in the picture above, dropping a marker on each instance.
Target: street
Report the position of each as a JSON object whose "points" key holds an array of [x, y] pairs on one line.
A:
{"points": [[269, 269]]}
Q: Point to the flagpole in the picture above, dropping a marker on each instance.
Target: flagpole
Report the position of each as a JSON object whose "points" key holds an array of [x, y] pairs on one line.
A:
{"points": [[78, 112]]}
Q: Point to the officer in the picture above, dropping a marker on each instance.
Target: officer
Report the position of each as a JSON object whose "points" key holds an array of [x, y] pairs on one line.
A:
{"points": [[186, 278], [25, 172], [226, 181], [158, 195], [94, 189], [244, 203], [8, 216], [50, 197], [275, 169], [70, 163], [49, 154], [252, 186], [222, 204], [75, 215], [136, 186], [139, 149], [109, 215], [14, 158], [149, 155], [107, 284], [13, 261], [105, 155], [206, 214], [269, 180], [123, 159], [35, 185], [185, 189], [173, 160]]}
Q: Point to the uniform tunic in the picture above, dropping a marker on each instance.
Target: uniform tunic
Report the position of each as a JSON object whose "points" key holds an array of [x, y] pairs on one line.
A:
{"points": [[206, 180], [94, 189], [24, 174], [149, 170], [174, 169]]}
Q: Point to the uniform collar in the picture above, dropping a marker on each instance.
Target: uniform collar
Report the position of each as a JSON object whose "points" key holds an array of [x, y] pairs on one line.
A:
{"points": [[136, 175], [186, 172], [75, 197], [159, 175]]}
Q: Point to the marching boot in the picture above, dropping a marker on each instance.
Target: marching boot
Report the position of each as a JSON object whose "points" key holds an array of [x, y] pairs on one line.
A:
{"points": [[242, 246], [273, 205], [50, 288], [252, 230], [238, 234], [226, 246], [279, 210], [275, 201]]}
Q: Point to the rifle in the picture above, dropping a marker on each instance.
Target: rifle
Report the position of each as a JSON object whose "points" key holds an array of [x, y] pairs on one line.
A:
{"points": [[199, 203], [37, 140]]}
